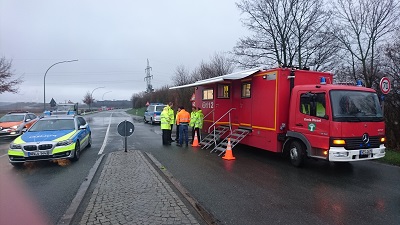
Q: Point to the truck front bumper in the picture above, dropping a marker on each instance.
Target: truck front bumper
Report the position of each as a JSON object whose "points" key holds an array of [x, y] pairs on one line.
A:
{"points": [[339, 154]]}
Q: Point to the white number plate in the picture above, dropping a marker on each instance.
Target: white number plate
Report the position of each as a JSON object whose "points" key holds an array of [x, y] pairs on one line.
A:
{"points": [[37, 153], [365, 152]]}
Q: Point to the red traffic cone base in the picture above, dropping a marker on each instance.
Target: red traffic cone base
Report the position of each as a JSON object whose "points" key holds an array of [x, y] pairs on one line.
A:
{"points": [[195, 140], [228, 153]]}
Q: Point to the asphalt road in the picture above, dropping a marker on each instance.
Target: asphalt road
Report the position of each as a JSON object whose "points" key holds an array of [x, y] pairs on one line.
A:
{"points": [[256, 188]]}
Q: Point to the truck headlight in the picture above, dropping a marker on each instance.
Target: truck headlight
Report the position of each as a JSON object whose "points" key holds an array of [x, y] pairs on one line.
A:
{"points": [[64, 143]]}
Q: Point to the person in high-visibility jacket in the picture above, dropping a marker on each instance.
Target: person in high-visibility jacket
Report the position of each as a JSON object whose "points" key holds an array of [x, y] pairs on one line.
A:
{"points": [[171, 119], [198, 124], [193, 121], [177, 126], [183, 120], [165, 126]]}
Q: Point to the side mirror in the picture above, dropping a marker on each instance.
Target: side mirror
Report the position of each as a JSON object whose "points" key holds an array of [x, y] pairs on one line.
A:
{"points": [[82, 127], [27, 120]]}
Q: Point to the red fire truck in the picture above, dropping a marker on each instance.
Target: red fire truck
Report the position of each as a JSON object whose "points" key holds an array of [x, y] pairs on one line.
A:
{"points": [[297, 112]]}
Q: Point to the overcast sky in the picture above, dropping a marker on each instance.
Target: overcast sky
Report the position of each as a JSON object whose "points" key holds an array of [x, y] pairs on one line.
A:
{"points": [[112, 40]]}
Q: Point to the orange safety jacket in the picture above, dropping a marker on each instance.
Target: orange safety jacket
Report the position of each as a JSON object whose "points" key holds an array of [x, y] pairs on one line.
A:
{"points": [[183, 117]]}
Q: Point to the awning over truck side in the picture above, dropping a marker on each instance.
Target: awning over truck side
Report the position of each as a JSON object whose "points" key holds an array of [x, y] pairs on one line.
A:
{"points": [[232, 76]]}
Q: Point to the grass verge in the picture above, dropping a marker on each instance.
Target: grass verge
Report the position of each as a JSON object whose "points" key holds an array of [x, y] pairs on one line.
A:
{"points": [[392, 157], [137, 112]]}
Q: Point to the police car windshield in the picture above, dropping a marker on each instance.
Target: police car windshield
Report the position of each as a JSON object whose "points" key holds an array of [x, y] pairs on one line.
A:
{"points": [[65, 107], [353, 106], [12, 118], [54, 124], [159, 108]]}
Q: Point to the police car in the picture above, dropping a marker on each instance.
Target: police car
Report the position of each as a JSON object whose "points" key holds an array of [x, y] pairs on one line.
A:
{"points": [[153, 112], [53, 137]]}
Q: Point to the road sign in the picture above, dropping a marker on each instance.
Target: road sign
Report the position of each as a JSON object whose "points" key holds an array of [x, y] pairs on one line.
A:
{"points": [[384, 84], [125, 128]]}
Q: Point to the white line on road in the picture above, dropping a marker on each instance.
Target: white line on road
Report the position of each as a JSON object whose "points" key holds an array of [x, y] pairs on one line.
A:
{"points": [[105, 138], [3, 155]]}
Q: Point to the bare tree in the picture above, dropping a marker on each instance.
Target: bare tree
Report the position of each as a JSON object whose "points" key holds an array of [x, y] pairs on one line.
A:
{"points": [[7, 84], [392, 99], [219, 65], [361, 26], [286, 32], [87, 99], [182, 76]]}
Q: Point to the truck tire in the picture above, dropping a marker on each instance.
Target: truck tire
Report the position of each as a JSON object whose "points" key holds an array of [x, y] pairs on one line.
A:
{"points": [[296, 153]]}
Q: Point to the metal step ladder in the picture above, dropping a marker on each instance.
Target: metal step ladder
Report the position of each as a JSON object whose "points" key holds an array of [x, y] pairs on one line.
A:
{"points": [[236, 136], [213, 137]]}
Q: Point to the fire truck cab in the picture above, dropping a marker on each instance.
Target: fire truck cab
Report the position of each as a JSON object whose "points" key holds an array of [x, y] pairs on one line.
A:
{"points": [[296, 112]]}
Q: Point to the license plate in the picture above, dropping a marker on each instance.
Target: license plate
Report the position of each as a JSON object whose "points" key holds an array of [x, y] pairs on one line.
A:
{"points": [[37, 153], [365, 152]]}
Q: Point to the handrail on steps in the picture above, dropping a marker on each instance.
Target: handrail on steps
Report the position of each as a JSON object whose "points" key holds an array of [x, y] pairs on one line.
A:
{"points": [[230, 127], [212, 111]]}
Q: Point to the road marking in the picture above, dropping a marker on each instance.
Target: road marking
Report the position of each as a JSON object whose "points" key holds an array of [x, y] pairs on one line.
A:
{"points": [[105, 138], [3, 155]]}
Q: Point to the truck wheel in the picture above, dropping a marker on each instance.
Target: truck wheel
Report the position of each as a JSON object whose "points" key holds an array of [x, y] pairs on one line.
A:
{"points": [[77, 153], [296, 153]]}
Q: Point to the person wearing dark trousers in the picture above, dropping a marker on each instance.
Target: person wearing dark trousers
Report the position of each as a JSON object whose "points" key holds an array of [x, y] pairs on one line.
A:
{"points": [[198, 124], [183, 119], [165, 126], [192, 121], [177, 126], [171, 119]]}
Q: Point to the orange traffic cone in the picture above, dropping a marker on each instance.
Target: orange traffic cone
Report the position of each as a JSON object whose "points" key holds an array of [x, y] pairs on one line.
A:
{"points": [[228, 153], [195, 140]]}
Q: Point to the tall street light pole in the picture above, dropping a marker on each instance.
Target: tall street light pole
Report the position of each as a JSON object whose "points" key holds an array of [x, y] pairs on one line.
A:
{"points": [[44, 80], [91, 97], [104, 94]]}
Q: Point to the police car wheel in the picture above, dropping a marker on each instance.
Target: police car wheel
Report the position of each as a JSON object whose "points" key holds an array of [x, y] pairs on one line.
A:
{"points": [[89, 144], [151, 121], [77, 153], [144, 119], [296, 153]]}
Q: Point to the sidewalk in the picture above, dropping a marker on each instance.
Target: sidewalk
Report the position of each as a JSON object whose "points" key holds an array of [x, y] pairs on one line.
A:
{"points": [[130, 191]]}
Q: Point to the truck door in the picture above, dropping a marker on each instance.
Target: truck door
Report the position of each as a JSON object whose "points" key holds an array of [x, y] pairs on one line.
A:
{"points": [[312, 119], [245, 108]]}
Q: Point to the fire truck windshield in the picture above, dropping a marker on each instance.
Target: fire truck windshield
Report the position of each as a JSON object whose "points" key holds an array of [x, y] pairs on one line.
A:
{"points": [[351, 106]]}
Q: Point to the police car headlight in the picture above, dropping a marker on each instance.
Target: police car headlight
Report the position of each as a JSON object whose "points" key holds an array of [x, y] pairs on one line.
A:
{"points": [[14, 127], [64, 143], [15, 146]]}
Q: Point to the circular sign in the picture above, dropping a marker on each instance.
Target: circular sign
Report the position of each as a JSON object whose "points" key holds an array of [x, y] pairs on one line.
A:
{"points": [[385, 85], [125, 128]]}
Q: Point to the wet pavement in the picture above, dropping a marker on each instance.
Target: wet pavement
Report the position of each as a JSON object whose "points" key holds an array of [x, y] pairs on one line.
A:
{"points": [[131, 191]]}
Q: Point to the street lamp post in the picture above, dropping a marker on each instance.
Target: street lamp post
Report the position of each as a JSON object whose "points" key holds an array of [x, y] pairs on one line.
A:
{"points": [[91, 97], [44, 81], [104, 94]]}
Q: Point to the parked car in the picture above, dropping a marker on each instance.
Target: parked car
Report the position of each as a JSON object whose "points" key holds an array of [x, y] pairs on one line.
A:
{"points": [[152, 113], [52, 137], [13, 123]]}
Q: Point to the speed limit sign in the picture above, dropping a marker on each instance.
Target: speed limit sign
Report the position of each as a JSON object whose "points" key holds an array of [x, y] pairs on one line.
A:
{"points": [[385, 85]]}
